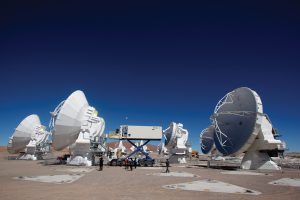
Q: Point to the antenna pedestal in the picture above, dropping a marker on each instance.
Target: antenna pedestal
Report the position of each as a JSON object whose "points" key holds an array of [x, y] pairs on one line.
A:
{"points": [[176, 139], [258, 160], [25, 156], [177, 158], [257, 156], [80, 153], [29, 153], [92, 128], [177, 155], [80, 150]]}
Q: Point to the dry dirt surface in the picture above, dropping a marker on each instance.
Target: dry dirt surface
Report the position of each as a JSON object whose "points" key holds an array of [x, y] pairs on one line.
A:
{"points": [[116, 183], [3, 149]]}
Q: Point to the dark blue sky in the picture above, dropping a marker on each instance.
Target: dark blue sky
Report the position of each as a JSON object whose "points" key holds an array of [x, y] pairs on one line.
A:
{"points": [[152, 62]]}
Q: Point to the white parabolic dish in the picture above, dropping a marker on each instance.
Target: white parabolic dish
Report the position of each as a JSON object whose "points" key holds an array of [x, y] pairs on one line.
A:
{"points": [[67, 123], [170, 134], [23, 134]]}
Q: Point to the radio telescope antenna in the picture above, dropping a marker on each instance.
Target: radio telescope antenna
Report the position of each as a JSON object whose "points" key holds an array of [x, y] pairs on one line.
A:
{"points": [[175, 142], [76, 124], [31, 138], [242, 127], [207, 139]]}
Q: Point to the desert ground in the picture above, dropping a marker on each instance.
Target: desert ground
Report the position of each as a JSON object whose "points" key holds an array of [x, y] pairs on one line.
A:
{"points": [[141, 183]]}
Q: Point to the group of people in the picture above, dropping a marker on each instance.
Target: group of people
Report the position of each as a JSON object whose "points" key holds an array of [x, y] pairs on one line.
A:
{"points": [[130, 163]]}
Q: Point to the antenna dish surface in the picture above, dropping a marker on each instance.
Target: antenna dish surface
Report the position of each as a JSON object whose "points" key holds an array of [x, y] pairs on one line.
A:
{"points": [[235, 118], [23, 133], [207, 139], [170, 134], [68, 120]]}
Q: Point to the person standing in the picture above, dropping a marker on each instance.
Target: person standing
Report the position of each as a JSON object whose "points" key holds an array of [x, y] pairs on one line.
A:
{"points": [[100, 163], [167, 166], [126, 164], [130, 164], [135, 163]]}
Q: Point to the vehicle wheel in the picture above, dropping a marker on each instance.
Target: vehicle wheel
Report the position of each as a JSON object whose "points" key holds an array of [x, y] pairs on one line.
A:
{"points": [[113, 163], [142, 164]]}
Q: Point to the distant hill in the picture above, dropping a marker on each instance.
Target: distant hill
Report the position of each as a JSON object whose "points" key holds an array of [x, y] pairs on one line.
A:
{"points": [[293, 154], [3, 149], [127, 145]]}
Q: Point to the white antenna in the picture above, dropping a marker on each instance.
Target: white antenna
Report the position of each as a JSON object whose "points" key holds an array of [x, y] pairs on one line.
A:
{"points": [[175, 142], [31, 138], [74, 123]]}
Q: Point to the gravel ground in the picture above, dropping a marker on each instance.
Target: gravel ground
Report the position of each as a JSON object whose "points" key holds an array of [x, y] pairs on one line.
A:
{"points": [[116, 183]]}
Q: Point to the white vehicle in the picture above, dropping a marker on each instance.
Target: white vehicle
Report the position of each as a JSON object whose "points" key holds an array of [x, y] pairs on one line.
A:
{"points": [[141, 133]]}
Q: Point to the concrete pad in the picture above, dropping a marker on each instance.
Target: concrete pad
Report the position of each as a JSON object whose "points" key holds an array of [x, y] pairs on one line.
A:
{"points": [[208, 185], [75, 170], [182, 166], [295, 182], [57, 179], [192, 166], [246, 173], [176, 174], [152, 168]]}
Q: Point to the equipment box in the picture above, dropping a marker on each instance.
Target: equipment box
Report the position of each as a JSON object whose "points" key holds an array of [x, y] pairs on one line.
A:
{"points": [[141, 132]]}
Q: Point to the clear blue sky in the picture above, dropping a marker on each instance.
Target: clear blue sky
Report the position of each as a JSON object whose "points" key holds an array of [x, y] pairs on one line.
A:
{"points": [[151, 62]]}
